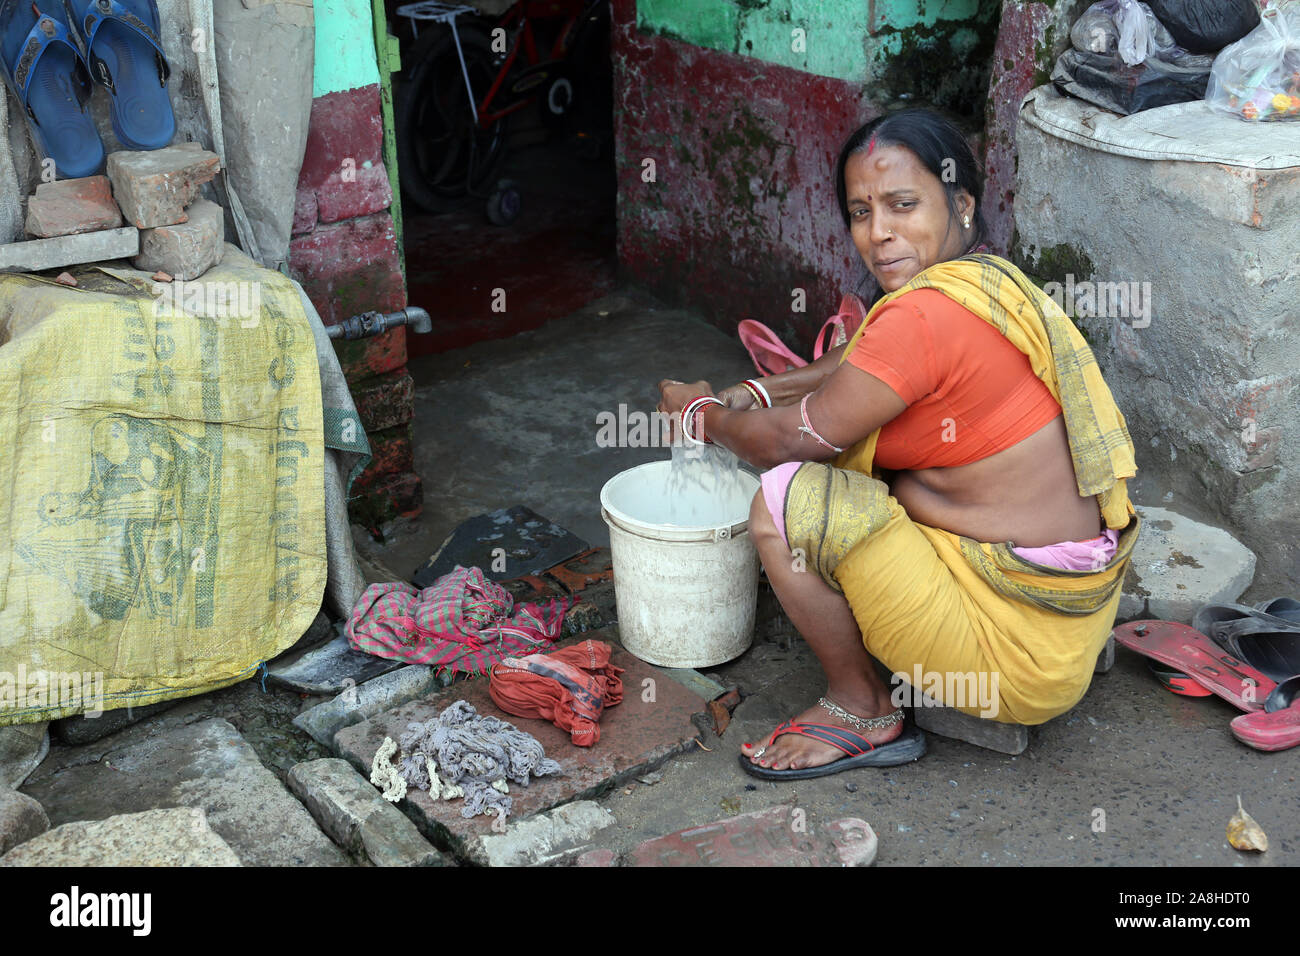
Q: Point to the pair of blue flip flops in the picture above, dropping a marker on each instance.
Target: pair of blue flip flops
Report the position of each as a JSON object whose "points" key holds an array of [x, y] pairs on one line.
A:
{"points": [[53, 51]]}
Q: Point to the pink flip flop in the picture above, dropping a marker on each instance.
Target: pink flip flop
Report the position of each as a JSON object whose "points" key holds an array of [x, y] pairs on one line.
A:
{"points": [[769, 353], [841, 327]]}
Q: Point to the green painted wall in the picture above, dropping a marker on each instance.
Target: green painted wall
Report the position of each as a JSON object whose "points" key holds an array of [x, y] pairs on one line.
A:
{"points": [[345, 46], [842, 39]]}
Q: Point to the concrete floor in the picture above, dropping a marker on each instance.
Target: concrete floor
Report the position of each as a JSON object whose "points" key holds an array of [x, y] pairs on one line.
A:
{"points": [[514, 422]]}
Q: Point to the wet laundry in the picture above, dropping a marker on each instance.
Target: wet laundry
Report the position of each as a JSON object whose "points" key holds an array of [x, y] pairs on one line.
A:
{"points": [[570, 687]]}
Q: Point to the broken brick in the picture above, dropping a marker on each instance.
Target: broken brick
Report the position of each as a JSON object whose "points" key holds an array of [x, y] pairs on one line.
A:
{"points": [[185, 250], [387, 402], [67, 207], [366, 358], [154, 187]]}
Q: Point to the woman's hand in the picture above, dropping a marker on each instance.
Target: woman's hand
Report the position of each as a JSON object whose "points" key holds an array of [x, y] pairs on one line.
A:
{"points": [[674, 396], [737, 398]]}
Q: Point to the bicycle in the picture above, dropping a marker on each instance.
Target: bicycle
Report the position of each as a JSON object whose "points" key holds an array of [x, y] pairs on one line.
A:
{"points": [[469, 74]]}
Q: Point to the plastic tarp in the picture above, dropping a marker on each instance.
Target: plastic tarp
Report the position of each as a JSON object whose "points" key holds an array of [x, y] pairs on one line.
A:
{"points": [[1188, 132], [163, 513]]}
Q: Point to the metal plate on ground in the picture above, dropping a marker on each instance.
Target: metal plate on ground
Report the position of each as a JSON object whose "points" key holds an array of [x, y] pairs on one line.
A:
{"points": [[529, 543]]}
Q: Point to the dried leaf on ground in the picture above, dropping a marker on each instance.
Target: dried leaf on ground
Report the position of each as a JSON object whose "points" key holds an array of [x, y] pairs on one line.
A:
{"points": [[1244, 833], [721, 716]]}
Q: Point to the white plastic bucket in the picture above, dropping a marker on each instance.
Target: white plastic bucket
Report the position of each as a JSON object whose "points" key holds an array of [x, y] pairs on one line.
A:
{"points": [[686, 594]]}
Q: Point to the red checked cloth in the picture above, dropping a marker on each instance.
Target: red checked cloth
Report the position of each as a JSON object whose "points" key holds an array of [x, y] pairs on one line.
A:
{"points": [[462, 622], [570, 687]]}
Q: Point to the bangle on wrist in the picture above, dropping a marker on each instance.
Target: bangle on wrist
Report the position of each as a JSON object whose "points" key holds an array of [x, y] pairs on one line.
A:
{"points": [[688, 415], [758, 391]]}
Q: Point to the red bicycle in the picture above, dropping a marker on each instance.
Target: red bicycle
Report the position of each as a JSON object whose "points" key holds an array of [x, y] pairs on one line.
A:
{"points": [[466, 75]]}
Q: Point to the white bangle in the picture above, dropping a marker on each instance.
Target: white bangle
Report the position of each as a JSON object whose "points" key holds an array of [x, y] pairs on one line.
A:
{"points": [[689, 412], [764, 397]]}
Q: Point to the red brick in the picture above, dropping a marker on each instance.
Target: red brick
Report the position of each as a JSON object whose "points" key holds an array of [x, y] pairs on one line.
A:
{"points": [[346, 125], [778, 836], [350, 267], [387, 402], [392, 497], [390, 454], [304, 212], [354, 192], [70, 206], [153, 187], [366, 358]]}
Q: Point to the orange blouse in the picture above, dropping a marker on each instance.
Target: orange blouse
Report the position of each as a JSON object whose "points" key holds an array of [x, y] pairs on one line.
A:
{"points": [[970, 393]]}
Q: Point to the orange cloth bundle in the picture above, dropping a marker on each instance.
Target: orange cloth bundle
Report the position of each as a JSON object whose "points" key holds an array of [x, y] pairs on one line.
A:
{"points": [[570, 687]]}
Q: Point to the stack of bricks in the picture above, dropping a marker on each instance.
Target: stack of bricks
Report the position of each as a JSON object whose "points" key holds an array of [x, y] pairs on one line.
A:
{"points": [[345, 254]]}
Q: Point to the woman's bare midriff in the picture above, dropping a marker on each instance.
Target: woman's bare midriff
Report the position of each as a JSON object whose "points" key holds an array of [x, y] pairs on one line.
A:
{"points": [[1026, 494]]}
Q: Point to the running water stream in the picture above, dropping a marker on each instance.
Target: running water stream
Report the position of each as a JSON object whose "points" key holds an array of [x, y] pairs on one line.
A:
{"points": [[704, 487]]}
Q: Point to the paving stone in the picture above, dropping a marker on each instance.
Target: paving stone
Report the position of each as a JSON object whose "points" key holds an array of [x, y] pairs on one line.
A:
{"points": [[206, 764], [83, 730], [777, 836], [188, 249], [331, 668], [359, 703], [1179, 565], [175, 836], [349, 808], [21, 819], [651, 724], [37, 255], [66, 207], [979, 731], [547, 838], [154, 187], [1106, 659], [22, 748]]}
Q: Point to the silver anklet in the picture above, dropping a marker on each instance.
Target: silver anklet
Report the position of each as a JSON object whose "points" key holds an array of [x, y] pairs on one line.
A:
{"points": [[862, 723]]}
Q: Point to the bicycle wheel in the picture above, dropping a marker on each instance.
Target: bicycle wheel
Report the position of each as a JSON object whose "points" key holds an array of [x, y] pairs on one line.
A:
{"points": [[442, 154]]}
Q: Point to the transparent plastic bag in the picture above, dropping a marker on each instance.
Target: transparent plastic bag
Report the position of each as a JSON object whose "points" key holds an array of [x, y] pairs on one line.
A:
{"points": [[1258, 77], [1124, 27]]}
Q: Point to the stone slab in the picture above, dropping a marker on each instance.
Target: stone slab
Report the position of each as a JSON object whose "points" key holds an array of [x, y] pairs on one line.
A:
{"points": [[206, 764], [21, 819], [330, 669], [651, 724], [22, 748], [545, 839], [375, 696], [1179, 565], [153, 187], [177, 836], [979, 731], [1106, 659], [529, 543], [66, 207], [83, 730], [777, 836], [37, 255], [356, 817]]}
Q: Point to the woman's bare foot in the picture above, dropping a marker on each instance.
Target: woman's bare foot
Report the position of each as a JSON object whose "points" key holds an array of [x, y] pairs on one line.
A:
{"points": [[796, 752]]}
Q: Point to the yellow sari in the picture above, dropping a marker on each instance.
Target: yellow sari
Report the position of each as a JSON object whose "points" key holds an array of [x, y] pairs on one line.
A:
{"points": [[934, 604]]}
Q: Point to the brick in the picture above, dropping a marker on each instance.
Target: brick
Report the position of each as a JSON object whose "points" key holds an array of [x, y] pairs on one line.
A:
{"points": [[354, 192], [21, 819], [388, 498], [153, 187], [188, 249], [70, 206], [304, 212], [772, 837], [390, 454], [365, 358], [350, 267], [978, 731], [343, 126], [351, 811], [37, 255], [546, 839], [387, 402]]}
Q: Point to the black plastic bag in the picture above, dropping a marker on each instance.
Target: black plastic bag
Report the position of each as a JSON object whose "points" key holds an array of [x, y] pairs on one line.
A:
{"points": [[1108, 82], [1206, 26]]}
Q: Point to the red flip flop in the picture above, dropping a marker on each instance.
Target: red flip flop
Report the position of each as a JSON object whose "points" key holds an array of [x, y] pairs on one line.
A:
{"points": [[1191, 652], [1279, 730]]}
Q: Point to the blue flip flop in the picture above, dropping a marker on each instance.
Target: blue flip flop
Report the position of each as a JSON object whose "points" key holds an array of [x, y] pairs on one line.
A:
{"points": [[42, 65], [126, 57], [858, 751]]}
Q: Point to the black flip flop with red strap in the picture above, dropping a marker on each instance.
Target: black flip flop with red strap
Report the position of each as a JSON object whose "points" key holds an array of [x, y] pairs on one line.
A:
{"points": [[859, 752]]}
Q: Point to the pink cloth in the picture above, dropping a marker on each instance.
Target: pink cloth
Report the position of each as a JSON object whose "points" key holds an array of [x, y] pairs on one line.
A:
{"points": [[1091, 555], [775, 482]]}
